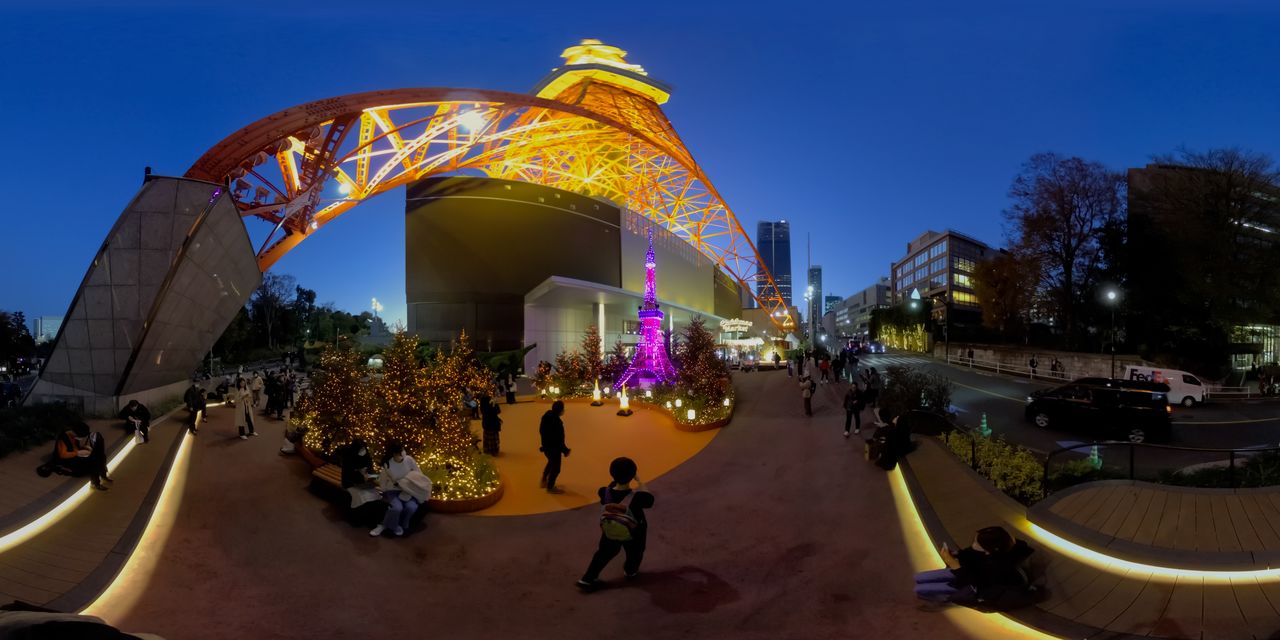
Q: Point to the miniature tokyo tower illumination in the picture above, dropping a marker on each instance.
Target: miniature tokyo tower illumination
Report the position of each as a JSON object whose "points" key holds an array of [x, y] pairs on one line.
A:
{"points": [[650, 364]]}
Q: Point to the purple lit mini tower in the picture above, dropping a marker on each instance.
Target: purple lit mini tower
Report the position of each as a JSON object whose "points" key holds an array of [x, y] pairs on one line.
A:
{"points": [[650, 364]]}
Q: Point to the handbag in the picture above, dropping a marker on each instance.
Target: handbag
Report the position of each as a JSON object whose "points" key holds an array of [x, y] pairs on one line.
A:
{"points": [[417, 485], [137, 437]]}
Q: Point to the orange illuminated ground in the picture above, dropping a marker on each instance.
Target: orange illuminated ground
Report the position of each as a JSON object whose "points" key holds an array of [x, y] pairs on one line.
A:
{"points": [[596, 435]]}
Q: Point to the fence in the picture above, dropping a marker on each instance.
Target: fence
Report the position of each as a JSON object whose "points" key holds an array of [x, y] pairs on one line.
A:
{"points": [[1166, 464], [1039, 373]]}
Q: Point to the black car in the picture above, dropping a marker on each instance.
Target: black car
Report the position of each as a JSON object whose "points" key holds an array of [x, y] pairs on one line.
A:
{"points": [[1105, 408]]}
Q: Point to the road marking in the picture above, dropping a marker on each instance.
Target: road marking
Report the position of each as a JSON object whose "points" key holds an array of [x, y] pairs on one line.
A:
{"points": [[1252, 421], [991, 393]]}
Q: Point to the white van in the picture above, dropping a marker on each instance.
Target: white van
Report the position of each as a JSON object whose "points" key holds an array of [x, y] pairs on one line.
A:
{"points": [[1184, 388]]}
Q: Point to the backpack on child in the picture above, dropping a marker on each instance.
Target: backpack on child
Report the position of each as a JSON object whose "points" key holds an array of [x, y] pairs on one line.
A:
{"points": [[616, 519]]}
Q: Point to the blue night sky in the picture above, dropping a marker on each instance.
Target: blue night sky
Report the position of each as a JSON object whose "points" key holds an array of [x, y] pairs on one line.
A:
{"points": [[863, 127]]}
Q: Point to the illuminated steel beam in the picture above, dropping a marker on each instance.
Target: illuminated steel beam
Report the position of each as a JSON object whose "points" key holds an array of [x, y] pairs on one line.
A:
{"points": [[595, 127]]}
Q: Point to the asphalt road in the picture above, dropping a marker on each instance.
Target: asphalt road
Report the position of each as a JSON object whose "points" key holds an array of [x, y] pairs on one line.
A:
{"points": [[1217, 424]]}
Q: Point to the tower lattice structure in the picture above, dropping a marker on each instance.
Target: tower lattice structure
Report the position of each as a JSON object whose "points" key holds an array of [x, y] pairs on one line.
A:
{"points": [[594, 126], [650, 363]]}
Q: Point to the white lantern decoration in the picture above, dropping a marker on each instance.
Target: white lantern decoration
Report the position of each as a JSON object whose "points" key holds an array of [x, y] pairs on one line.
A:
{"points": [[679, 403], [692, 415]]}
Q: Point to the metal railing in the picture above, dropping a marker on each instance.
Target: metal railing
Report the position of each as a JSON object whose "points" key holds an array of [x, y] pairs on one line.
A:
{"points": [[1039, 373], [1171, 463]]}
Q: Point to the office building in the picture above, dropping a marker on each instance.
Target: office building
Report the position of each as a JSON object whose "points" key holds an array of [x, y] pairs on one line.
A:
{"points": [[851, 317], [813, 304], [829, 303], [940, 266], [773, 241]]}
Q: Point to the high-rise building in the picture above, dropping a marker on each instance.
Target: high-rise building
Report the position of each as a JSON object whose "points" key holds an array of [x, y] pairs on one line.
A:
{"points": [[46, 328], [814, 309], [773, 240], [829, 303]]}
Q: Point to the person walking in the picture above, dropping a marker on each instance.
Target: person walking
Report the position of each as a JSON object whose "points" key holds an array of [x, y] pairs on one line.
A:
{"points": [[790, 367], [871, 380], [511, 388], [1033, 364], [837, 368], [807, 387], [552, 433], [853, 409], [255, 387], [137, 418], [824, 369], [244, 410], [196, 407], [623, 524], [490, 423]]}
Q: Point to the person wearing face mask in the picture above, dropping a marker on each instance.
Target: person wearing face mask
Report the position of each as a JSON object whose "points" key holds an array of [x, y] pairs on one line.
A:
{"points": [[400, 482], [357, 465]]}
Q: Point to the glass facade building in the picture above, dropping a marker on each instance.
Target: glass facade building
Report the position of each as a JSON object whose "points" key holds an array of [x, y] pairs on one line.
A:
{"points": [[773, 240]]}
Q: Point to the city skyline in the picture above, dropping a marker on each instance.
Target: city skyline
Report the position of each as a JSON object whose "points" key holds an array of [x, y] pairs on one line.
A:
{"points": [[896, 135]]}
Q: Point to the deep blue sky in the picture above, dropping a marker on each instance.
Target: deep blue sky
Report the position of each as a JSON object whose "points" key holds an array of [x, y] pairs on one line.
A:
{"points": [[863, 127]]}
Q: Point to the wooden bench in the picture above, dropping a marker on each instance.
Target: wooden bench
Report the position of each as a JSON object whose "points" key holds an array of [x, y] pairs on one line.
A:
{"points": [[327, 480]]}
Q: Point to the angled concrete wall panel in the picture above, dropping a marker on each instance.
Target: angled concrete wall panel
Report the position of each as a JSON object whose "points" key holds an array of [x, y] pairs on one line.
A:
{"points": [[171, 276]]}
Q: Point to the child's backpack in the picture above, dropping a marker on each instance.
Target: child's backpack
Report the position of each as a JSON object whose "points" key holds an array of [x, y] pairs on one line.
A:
{"points": [[616, 519]]}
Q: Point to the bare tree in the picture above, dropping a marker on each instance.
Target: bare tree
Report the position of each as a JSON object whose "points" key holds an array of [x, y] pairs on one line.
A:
{"points": [[269, 300], [1006, 287], [1060, 206]]}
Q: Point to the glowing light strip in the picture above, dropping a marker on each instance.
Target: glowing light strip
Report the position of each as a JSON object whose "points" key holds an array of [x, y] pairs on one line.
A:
{"points": [[141, 563], [54, 514], [1115, 565], [924, 557]]}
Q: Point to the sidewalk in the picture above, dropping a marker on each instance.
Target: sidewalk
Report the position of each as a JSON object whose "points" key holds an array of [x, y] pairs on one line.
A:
{"points": [[1089, 595]]}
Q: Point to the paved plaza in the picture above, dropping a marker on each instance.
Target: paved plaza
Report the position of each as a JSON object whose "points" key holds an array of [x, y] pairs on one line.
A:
{"points": [[778, 528]]}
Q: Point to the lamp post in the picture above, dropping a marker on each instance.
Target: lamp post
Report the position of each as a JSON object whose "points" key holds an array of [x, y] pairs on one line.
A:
{"points": [[1112, 297]]}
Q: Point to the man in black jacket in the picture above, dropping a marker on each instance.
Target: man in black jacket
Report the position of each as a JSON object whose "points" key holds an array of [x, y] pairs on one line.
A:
{"points": [[552, 432], [137, 417]]}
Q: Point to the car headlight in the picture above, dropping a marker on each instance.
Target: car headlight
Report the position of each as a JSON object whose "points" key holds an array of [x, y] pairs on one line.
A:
{"points": [[1030, 399]]}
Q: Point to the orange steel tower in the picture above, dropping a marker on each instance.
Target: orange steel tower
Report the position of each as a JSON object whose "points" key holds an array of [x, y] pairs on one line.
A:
{"points": [[594, 126]]}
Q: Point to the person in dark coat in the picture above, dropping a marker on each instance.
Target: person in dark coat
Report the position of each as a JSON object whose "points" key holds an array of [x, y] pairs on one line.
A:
{"points": [[357, 464], [490, 423], [989, 570], [137, 417], [552, 433], [630, 506]]}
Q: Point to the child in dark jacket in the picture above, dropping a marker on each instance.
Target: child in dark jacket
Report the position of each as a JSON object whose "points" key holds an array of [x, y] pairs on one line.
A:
{"points": [[623, 524]]}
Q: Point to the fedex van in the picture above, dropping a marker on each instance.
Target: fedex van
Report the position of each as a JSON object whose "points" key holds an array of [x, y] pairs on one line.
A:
{"points": [[1184, 388]]}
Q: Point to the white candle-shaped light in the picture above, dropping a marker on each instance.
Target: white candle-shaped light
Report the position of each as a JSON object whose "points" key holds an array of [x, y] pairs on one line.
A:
{"points": [[692, 415], [668, 404], [679, 403], [648, 393], [624, 403], [595, 393], [726, 402]]}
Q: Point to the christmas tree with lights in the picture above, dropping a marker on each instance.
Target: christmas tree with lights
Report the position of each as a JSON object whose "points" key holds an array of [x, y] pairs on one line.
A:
{"points": [[592, 354], [402, 409], [340, 408], [700, 370]]}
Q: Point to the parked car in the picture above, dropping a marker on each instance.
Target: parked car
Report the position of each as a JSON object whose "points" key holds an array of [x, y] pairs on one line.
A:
{"points": [[1105, 408], [1184, 388]]}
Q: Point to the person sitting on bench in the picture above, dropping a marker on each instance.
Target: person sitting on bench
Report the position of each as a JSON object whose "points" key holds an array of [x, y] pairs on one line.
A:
{"points": [[79, 455], [988, 571], [137, 417]]}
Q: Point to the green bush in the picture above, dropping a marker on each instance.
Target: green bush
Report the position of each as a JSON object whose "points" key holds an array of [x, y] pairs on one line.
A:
{"points": [[26, 427], [1013, 469], [906, 389]]}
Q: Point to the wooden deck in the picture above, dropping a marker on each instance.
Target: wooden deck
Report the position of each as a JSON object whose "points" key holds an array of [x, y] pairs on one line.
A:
{"points": [[1210, 529], [1085, 600]]}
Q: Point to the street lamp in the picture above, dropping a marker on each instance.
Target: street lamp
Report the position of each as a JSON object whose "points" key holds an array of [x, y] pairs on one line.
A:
{"points": [[1112, 297]]}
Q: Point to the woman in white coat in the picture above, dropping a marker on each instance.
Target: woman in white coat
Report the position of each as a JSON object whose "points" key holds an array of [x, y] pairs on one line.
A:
{"points": [[400, 481], [244, 409]]}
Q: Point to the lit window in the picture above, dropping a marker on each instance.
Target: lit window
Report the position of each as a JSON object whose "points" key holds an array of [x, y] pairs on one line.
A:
{"points": [[963, 280], [961, 297], [963, 264]]}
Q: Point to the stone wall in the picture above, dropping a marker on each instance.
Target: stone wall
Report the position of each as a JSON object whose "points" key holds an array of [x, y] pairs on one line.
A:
{"points": [[1014, 360]]}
